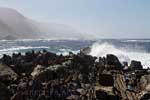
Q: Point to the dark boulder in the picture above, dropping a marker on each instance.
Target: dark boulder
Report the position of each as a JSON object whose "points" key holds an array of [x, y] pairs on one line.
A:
{"points": [[113, 61], [146, 96], [46, 75], [101, 95], [86, 50], [24, 67], [136, 65], [20, 96], [113, 97], [7, 75], [6, 59], [106, 80], [5, 94], [42, 97]]}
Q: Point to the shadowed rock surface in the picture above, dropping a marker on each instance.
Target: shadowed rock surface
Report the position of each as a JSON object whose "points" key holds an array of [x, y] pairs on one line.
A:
{"points": [[46, 76]]}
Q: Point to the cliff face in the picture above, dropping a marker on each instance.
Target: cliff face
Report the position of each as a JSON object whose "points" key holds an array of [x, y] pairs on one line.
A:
{"points": [[14, 25]]}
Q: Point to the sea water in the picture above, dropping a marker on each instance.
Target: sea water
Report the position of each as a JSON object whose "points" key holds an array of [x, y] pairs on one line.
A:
{"points": [[124, 49]]}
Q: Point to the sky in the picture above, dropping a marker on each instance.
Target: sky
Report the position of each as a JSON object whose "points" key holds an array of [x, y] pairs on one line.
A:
{"points": [[100, 18]]}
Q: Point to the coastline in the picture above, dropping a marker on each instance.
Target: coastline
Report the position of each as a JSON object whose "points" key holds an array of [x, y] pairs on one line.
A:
{"points": [[44, 75]]}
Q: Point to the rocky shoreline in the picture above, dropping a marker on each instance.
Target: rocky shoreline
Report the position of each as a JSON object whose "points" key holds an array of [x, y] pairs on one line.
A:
{"points": [[46, 76]]}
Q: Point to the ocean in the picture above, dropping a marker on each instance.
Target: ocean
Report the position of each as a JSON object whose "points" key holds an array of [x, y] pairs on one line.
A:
{"points": [[124, 49]]}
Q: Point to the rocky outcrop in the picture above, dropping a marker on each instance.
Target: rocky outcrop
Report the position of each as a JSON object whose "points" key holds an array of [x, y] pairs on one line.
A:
{"points": [[5, 93], [136, 65], [106, 80], [38, 69], [46, 76], [113, 62], [145, 96], [7, 75]]}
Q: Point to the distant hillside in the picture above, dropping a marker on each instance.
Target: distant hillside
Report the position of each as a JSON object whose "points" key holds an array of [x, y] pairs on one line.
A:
{"points": [[14, 25]]}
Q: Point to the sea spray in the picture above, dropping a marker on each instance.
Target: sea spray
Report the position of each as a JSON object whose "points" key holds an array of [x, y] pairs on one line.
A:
{"points": [[124, 54]]}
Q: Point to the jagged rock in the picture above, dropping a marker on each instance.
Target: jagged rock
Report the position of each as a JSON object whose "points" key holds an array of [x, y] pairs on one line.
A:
{"points": [[62, 72], [81, 91], [20, 96], [5, 93], [7, 74], [35, 85], [54, 67], [13, 88], [46, 75], [113, 97], [86, 50], [6, 59], [101, 95], [69, 77], [106, 80], [24, 67], [136, 65], [113, 61], [22, 86], [67, 63], [145, 96], [73, 97], [37, 70], [42, 97]]}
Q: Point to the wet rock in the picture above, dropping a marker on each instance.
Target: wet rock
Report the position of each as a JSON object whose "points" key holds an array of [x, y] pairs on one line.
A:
{"points": [[136, 65], [86, 50], [114, 61], [7, 75]]}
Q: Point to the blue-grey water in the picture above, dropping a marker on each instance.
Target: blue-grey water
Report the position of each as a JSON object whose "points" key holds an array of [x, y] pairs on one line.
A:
{"points": [[124, 49]]}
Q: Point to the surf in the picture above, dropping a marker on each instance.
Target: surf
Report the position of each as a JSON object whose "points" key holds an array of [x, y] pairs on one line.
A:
{"points": [[124, 54]]}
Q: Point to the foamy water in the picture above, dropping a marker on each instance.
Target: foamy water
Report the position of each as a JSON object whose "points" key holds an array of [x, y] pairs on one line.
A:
{"points": [[125, 50], [56, 46], [124, 54]]}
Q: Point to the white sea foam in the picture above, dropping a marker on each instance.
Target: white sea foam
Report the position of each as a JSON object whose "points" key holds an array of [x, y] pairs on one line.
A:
{"points": [[101, 50], [140, 41], [22, 48], [9, 51], [66, 51]]}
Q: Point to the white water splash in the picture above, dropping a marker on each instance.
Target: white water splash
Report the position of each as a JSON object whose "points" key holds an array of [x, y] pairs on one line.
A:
{"points": [[101, 50]]}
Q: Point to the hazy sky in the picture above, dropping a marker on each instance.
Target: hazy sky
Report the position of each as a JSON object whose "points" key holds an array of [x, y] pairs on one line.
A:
{"points": [[105, 18]]}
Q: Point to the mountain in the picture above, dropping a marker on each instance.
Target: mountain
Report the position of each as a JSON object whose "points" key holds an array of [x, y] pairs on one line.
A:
{"points": [[13, 25]]}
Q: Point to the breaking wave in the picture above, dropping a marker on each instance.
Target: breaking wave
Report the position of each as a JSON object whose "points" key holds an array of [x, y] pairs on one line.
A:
{"points": [[135, 41], [124, 54], [9, 51]]}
